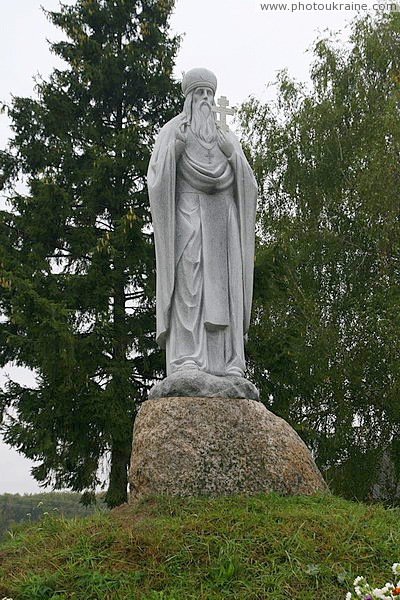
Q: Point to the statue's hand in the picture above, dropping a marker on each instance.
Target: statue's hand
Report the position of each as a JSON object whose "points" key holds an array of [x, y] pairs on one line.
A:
{"points": [[225, 144], [180, 140]]}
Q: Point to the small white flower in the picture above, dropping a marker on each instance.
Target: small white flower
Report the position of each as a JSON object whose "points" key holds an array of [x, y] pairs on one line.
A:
{"points": [[358, 580], [357, 590], [380, 593], [348, 596], [396, 568], [389, 586]]}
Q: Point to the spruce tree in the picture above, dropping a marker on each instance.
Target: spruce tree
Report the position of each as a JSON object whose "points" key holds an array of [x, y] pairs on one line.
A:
{"points": [[77, 260]]}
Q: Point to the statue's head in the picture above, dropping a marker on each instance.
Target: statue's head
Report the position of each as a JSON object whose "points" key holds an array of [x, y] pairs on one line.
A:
{"points": [[198, 78], [199, 86]]}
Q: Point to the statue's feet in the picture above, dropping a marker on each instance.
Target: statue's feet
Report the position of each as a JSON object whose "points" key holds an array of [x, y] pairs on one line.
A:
{"points": [[187, 366], [234, 372]]}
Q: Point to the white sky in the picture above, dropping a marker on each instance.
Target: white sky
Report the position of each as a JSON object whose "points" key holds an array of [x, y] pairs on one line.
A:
{"points": [[243, 45]]}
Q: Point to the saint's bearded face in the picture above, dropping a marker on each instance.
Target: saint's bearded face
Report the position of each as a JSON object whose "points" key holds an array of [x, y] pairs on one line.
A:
{"points": [[203, 121]]}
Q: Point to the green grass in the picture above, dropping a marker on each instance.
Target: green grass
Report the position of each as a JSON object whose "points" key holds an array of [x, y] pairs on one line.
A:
{"points": [[262, 548]]}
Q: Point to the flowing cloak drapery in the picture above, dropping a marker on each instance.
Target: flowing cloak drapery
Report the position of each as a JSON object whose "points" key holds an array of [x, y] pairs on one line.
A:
{"points": [[161, 183]]}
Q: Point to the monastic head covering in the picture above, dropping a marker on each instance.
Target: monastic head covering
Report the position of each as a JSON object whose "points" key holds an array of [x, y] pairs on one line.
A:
{"points": [[197, 78]]}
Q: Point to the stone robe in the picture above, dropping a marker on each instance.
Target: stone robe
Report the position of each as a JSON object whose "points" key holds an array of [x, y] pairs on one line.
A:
{"points": [[203, 211]]}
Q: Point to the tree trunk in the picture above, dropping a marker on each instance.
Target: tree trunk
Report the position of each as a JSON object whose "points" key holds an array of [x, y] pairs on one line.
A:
{"points": [[120, 443], [118, 484]]}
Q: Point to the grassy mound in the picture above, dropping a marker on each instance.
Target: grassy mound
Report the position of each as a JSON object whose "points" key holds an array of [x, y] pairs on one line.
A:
{"points": [[263, 548]]}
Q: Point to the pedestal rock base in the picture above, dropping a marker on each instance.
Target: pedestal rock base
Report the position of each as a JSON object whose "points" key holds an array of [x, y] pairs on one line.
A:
{"points": [[198, 383], [185, 446]]}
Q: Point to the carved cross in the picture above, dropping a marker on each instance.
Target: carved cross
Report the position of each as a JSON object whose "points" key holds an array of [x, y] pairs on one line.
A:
{"points": [[223, 110], [209, 155]]}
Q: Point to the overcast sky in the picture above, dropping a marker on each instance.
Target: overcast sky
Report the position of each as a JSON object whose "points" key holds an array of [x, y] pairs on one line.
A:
{"points": [[244, 45]]}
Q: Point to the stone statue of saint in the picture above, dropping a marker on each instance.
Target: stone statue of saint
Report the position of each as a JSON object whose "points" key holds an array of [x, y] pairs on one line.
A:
{"points": [[203, 202]]}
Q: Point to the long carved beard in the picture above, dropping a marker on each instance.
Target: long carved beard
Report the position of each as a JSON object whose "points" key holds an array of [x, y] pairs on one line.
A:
{"points": [[203, 122]]}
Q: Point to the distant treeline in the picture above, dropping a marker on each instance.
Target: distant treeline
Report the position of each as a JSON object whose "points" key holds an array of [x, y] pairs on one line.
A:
{"points": [[15, 508]]}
